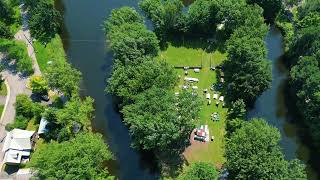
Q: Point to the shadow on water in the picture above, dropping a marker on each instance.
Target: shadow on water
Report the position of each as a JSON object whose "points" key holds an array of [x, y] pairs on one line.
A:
{"points": [[277, 107], [86, 48]]}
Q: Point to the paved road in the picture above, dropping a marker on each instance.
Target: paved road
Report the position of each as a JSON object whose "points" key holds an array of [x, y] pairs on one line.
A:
{"points": [[16, 82], [24, 35]]}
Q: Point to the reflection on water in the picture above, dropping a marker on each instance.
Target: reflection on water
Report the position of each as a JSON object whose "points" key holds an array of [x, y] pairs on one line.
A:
{"points": [[274, 106]]}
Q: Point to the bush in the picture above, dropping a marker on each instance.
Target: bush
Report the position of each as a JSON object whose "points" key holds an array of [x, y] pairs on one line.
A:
{"points": [[25, 107], [4, 31], [20, 123], [38, 85]]}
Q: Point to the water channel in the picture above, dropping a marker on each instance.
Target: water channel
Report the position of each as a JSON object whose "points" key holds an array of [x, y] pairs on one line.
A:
{"points": [[86, 49], [277, 108]]}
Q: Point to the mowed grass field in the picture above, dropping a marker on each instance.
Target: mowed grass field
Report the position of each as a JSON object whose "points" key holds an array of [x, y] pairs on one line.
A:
{"points": [[213, 151]]}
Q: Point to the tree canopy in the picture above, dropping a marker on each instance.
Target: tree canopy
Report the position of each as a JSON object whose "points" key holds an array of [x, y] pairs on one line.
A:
{"points": [[159, 121], [247, 69], [271, 8], [253, 152], [44, 22], [199, 171], [62, 76], [128, 81], [80, 158]]}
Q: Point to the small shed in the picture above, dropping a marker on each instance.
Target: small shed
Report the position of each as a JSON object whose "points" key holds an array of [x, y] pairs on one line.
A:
{"points": [[208, 95]]}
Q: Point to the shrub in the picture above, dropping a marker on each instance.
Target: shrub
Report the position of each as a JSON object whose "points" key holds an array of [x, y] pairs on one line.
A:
{"points": [[20, 123]]}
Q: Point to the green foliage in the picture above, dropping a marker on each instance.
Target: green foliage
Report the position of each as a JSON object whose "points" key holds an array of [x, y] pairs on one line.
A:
{"points": [[311, 19], [6, 12], [164, 15], [199, 171], [159, 121], [132, 41], [253, 152], [247, 69], [39, 85], [24, 106], [305, 80], [309, 6], [237, 110], [20, 122], [128, 81], [61, 76], [80, 158], [4, 31], [44, 22], [121, 16], [271, 7], [17, 51]]}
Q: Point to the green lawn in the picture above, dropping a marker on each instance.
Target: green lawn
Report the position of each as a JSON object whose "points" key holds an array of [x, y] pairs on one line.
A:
{"points": [[181, 56], [52, 52], [3, 90], [1, 109]]}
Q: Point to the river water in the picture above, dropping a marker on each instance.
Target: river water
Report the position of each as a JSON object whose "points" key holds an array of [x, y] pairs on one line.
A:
{"points": [[277, 108], [86, 49]]}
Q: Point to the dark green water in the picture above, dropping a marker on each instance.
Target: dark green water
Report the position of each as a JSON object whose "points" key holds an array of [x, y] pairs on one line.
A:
{"points": [[86, 49], [276, 106]]}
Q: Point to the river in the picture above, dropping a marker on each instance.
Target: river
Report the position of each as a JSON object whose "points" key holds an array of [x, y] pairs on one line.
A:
{"points": [[277, 108], [86, 49]]}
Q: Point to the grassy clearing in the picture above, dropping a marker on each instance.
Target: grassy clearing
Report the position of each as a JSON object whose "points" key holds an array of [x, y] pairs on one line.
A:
{"points": [[52, 52], [212, 152], [3, 90]]}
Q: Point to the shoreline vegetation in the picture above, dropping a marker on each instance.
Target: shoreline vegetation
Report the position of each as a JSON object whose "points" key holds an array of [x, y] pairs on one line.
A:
{"points": [[68, 137], [300, 24], [152, 110]]}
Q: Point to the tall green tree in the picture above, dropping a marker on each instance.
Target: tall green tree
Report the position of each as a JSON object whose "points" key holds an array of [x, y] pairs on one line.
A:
{"points": [[158, 121], [199, 171], [80, 158], [121, 16], [6, 12], [44, 22], [128, 81], [247, 70], [253, 152], [62, 76], [4, 31], [130, 41]]}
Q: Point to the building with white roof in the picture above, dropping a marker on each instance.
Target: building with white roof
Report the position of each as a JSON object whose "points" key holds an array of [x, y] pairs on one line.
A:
{"points": [[17, 146]]}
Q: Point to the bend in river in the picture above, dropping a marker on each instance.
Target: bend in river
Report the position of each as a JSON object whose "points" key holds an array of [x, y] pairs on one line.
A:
{"points": [[274, 106]]}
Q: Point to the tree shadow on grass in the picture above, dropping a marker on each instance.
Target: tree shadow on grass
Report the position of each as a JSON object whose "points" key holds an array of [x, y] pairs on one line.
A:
{"points": [[11, 66], [208, 43]]}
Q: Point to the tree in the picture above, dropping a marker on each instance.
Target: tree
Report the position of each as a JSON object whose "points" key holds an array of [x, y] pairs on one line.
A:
{"points": [[39, 85], [4, 31], [237, 110], [132, 41], [121, 16], [309, 20], [271, 7], [80, 158], [164, 15], [128, 81], [61, 76], [253, 152], [247, 69], [6, 12], [44, 22], [24, 106], [158, 121], [202, 16], [199, 171], [76, 115]]}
